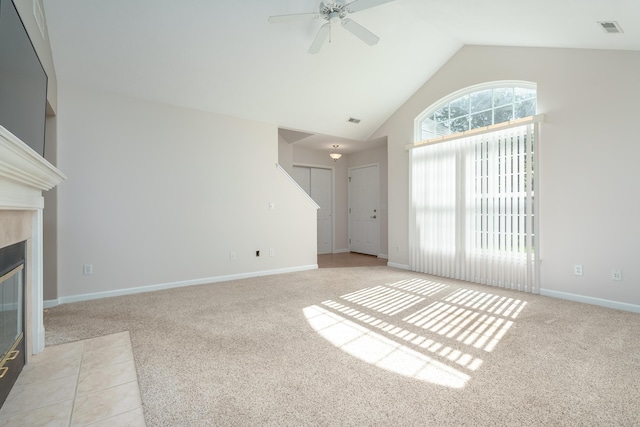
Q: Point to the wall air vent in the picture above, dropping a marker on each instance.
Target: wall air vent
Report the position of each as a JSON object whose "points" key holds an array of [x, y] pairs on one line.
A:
{"points": [[611, 27], [353, 120]]}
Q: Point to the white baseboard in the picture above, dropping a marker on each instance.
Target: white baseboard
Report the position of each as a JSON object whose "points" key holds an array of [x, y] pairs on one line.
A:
{"points": [[400, 266], [203, 281], [591, 300], [383, 256], [50, 303], [340, 251]]}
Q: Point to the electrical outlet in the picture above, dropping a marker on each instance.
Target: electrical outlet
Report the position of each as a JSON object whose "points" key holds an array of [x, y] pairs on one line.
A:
{"points": [[87, 269], [616, 274], [577, 270], [232, 256]]}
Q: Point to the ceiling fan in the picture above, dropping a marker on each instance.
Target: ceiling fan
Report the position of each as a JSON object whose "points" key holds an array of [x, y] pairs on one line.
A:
{"points": [[333, 13]]}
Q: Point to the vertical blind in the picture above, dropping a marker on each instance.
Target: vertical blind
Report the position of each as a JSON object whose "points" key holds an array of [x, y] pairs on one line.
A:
{"points": [[473, 207]]}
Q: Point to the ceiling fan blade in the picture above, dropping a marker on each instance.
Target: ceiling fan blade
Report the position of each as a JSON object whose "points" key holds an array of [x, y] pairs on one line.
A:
{"points": [[294, 17], [360, 32], [322, 35], [357, 5]]}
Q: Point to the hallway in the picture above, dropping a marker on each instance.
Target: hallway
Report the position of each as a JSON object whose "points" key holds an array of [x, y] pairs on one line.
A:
{"points": [[349, 259]]}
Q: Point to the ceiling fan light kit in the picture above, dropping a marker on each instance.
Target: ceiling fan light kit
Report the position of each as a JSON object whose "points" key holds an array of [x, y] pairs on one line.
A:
{"points": [[333, 13]]}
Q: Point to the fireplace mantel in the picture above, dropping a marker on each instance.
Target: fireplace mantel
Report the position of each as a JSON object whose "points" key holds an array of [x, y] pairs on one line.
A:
{"points": [[24, 175]]}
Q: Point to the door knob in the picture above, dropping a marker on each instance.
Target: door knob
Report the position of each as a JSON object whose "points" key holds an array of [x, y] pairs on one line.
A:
{"points": [[374, 216]]}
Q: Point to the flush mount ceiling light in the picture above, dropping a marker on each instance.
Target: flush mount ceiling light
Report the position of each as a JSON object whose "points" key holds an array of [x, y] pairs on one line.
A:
{"points": [[334, 154]]}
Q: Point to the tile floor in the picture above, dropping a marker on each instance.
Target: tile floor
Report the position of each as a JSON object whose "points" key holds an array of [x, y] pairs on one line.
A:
{"points": [[85, 383]]}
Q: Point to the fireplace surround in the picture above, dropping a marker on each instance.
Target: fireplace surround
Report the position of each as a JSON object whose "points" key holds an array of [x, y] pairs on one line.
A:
{"points": [[11, 315], [24, 175]]}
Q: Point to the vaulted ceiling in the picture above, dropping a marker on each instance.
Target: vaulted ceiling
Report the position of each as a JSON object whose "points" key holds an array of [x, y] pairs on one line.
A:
{"points": [[225, 57]]}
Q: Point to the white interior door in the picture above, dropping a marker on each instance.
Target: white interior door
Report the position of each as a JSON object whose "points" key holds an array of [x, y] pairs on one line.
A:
{"points": [[322, 195], [302, 176], [318, 184], [364, 225]]}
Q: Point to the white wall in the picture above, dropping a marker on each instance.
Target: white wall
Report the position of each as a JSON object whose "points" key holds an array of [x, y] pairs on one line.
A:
{"points": [[588, 161], [285, 155], [158, 194]]}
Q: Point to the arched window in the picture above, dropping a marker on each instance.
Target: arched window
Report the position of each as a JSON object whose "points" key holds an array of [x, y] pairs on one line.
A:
{"points": [[473, 205], [476, 107]]}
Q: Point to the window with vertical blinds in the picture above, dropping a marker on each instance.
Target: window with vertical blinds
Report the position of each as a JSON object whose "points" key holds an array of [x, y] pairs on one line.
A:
{"points": [[473, 207]]}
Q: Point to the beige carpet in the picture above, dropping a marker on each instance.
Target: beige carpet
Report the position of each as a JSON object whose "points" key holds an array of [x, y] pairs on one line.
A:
{"points": [[368, 346]]}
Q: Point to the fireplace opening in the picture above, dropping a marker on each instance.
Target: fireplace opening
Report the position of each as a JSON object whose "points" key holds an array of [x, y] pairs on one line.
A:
{"points": [[12, 308]]}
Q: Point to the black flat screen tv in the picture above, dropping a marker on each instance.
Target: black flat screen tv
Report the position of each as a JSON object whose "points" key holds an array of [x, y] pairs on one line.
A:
{"points": [[23, 81]]}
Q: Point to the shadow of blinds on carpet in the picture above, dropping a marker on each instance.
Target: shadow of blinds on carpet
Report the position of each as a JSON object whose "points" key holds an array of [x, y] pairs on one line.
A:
{"points": [[439, 338]]}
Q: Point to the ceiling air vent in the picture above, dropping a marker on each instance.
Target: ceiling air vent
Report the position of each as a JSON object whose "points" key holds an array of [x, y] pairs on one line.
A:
{"points": [[611, 27], [353, 120]]}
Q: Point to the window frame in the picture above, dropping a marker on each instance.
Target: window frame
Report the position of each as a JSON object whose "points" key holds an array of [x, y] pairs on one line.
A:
{"points": [[467, 91]]}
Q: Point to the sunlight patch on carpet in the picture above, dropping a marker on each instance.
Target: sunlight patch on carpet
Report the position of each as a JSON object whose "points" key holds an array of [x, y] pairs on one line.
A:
{"points": [[437, 338], [376, 349]]}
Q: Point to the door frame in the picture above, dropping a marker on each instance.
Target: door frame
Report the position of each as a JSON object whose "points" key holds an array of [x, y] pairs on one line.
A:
{"points": [[349, 202], [333, 197]]}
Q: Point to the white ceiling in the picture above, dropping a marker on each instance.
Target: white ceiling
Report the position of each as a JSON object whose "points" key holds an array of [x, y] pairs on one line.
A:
{"points": [[224, 57]]}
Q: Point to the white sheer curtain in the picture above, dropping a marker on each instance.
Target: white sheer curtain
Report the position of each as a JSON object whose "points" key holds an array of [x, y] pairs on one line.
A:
{"points": [[472, 211]]}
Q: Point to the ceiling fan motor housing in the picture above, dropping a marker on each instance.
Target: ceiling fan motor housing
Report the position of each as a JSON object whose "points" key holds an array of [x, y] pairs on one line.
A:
{"points": [[330, 11]]}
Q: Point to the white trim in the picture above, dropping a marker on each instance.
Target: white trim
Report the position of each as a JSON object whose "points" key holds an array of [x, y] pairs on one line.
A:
{"points": [[383, 256], [363, 166], [537, 202], [10, 306], [21, 165], [340, 251], [295, 184], [312, 165], [591, 300], [50, 303], [37, 294], [203, 281], [38, 14], [400, 266], [478, 131]]}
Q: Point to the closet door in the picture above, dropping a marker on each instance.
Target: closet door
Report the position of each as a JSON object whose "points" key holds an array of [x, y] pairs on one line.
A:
{"points": [[317, 182], [321, 193], [302, 176]]}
